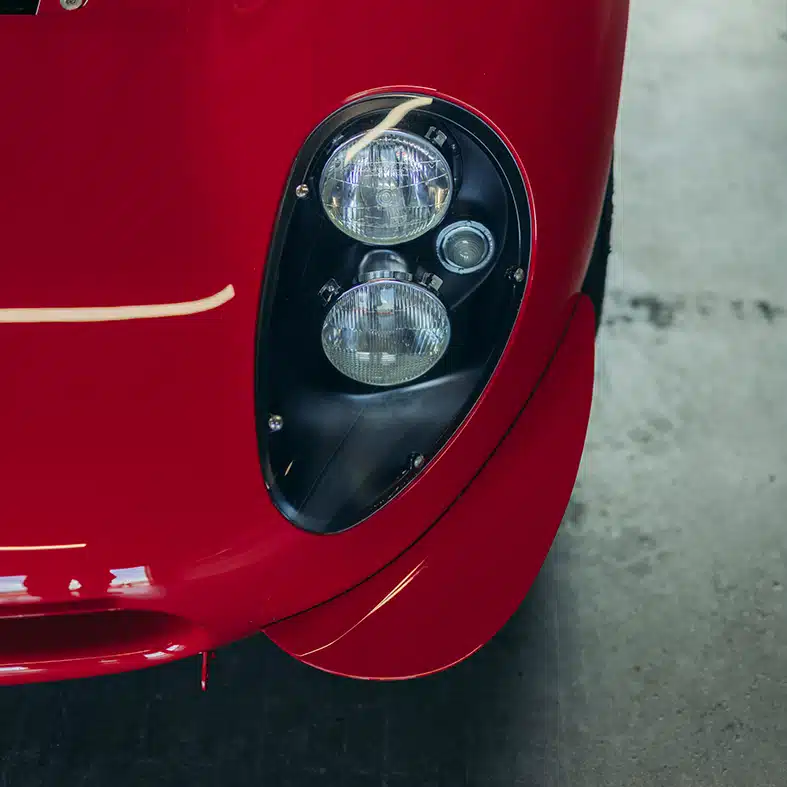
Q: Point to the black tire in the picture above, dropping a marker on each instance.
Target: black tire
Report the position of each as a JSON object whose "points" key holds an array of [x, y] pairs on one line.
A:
{"points": [[595, 283]]}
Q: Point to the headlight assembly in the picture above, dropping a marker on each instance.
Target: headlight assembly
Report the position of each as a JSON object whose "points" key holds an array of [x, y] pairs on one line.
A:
{"points": [[395, 276]]}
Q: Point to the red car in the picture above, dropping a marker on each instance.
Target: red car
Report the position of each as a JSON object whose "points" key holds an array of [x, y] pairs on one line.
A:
{"points": [[297, 322]]}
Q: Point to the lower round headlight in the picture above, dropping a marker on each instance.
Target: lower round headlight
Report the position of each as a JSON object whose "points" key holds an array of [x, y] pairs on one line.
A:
{"points": [[386, 332]]}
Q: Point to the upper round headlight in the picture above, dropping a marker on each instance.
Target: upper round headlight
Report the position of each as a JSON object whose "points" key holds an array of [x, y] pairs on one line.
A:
{"points": [[386, 332], [388, 190]]}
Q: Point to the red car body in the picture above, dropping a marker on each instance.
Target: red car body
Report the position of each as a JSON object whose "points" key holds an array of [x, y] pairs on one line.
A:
{"points": [[144, 149]]}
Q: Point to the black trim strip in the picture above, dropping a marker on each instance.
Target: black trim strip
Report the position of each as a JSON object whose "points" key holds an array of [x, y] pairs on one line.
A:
{"points": [[19, 7]]}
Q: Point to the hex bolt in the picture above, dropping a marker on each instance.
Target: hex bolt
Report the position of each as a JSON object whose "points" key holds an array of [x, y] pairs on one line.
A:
{"points": [[275, 423], [518, 275], [417, 461], [72, 5], [302, 191]]}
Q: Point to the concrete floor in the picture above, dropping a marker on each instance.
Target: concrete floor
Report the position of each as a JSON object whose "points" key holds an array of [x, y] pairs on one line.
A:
{"points": [[652, 650], [672, 567]]}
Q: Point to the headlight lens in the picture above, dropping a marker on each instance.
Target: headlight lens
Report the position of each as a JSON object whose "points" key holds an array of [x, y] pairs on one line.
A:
{"points": [[390, 190], [465, 247], [386, 333]]}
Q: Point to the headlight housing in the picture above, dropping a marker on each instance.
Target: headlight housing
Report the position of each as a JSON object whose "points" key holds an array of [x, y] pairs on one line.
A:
{"points": [[383, 317]]}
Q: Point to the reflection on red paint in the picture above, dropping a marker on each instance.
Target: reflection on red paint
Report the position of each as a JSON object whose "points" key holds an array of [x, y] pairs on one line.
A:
{"points": [[40, 547], [16, 670], [377, 607], [13, 590], [129, 580]]}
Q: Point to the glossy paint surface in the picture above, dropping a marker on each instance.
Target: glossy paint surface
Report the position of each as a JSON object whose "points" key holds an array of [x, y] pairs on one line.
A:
{"points": [[471, 570], [145, 146]]}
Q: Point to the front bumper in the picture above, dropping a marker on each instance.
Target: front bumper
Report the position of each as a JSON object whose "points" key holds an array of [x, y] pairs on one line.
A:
{"points": [[427, 609], [454, 589]]}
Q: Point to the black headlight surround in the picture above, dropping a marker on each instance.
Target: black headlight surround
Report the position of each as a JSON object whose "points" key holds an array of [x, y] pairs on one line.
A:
{"points": [[322, 410]]}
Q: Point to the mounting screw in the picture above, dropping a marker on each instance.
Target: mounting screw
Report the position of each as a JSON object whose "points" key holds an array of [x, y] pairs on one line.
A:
{"points": [[275, 423], [72, 5], [518, 275], [417, 461], [302, 191]]}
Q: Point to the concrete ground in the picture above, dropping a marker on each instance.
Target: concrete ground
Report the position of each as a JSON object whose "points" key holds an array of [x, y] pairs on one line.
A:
{"points": [[653, 648], [673, 564]]}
